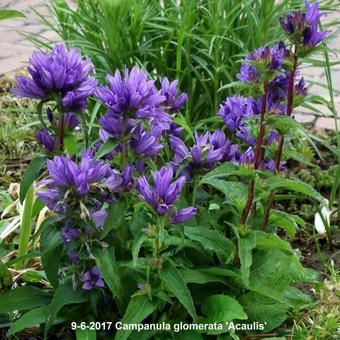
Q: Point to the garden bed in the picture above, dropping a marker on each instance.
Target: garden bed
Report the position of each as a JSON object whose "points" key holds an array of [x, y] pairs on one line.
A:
{"points": [[150, 197]]}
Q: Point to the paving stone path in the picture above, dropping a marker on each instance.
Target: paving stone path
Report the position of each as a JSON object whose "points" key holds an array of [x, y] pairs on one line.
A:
{"points": [[15, 51]]}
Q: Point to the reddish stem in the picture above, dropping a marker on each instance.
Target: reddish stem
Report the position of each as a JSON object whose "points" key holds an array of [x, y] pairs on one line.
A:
{"points": [[282, 138], [257, 157]]}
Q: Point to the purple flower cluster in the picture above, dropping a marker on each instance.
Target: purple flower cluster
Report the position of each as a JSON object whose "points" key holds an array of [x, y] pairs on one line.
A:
{"points": [[145, 143], [69, 234], [67, 177], [173, 100], [207, 149], [60, 75], [234, 109], [139, 113], [261, 61], [92, 279], [267, 66], [164, 194], [134, 96], [302, 28]]}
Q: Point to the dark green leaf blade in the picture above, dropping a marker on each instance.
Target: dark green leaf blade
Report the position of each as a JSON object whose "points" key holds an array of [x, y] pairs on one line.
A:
{"points": [[106, 262], [176, 284], [108, 146], [33, 317], [23, 298], [70, 144], [86, 334], [212, 240], [30, 175], [245, 246], [262, 309], [220, 308], [64, 295], [51, 248], [275, 183], [221, 171], [138, 309]]}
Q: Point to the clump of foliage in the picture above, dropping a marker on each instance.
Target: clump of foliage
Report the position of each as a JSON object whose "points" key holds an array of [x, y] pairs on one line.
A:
{"points": [[322, 318], [151, 221], [200, 43], [16, 118]]}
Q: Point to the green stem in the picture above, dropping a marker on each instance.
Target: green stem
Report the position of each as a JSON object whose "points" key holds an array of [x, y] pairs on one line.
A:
{"points": [[26, 220], [84, 128], [328, 229], [39, 111], [159, 236], [194, 192], [318, 250]]}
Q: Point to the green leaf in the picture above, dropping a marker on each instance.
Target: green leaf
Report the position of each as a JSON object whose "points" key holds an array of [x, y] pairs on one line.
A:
{"points": [[108, 146], [86, 334], [245, 246], [219, 271], [239, 84], [10, 13], [106, 262], [137, 243], [297, 298], [283, 124], [30, 175], [29, 255], [26, 225], [299, 157], [263, 309], [232, 190], [33, 317], [319, 100], [138, 309], [272, 272], [267, 241], [221, 171], [181, 121], [50, 259], [70, 144], [275, 183], [212, 240], [64, 295], [114, 218], [283, 220], [220, 308], [31, 275], [176, 284], [199, 277], [51, 248], [22, 298]]}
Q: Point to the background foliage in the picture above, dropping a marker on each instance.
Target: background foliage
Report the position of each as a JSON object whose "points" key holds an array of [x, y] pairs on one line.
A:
{"points": [[200, 43], [202, 51]]}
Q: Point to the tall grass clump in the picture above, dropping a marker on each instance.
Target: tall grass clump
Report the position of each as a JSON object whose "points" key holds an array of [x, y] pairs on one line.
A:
{"points": [[198, 42]]}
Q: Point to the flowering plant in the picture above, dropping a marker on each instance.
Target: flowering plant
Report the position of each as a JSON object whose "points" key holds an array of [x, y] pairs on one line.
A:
{"points": [[153, 221]]}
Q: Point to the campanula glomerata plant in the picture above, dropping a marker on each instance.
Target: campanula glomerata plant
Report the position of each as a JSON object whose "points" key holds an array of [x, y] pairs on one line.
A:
{"points": [[152, 221]]}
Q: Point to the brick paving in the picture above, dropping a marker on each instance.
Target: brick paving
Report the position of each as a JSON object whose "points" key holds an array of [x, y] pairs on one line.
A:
{"points": [[15, 51]]}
